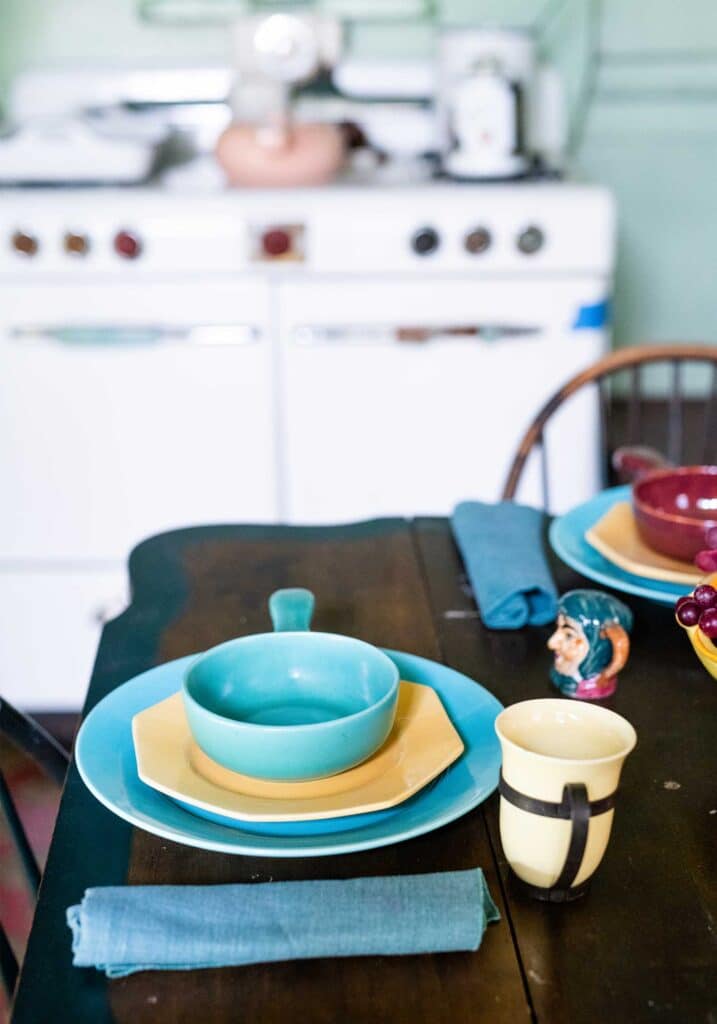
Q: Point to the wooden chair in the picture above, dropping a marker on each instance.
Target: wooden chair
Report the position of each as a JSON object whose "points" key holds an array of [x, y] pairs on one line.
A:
{"points": [[633, 364], [32, 740]]}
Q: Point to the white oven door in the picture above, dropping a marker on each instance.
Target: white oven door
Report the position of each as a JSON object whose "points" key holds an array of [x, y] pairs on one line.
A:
{"points": [[51, 617], [126, 410], [404, 397]]}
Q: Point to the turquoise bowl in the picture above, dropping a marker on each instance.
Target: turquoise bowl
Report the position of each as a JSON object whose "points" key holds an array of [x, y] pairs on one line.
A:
{"points": [[291, 705]]}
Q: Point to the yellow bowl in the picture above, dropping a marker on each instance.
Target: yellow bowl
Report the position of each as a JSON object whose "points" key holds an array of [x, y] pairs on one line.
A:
{"points": [[705, 650]]}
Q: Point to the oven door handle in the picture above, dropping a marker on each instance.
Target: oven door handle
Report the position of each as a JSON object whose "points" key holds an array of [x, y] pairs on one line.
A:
{"points": [[121, 335], [326, 334]]}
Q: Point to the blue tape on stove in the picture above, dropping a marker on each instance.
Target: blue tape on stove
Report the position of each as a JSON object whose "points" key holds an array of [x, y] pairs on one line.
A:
{"points": [[596, 315]]}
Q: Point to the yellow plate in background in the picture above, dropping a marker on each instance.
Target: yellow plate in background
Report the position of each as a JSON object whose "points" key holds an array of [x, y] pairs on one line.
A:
{"points": [[616, 537], [422, 743]]}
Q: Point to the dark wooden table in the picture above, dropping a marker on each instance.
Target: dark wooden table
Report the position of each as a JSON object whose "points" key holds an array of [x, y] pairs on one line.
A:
{"points": [[639, 947]]}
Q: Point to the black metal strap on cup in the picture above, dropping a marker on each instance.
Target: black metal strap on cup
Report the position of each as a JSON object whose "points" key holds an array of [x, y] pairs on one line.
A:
{"points": [[574, 807]]}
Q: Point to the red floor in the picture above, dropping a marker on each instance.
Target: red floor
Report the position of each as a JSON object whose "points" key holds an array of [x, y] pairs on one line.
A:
{"points": [[37, 800]]}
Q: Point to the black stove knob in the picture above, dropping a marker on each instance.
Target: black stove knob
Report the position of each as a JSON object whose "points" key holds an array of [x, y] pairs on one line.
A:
{"points": [[425, 241], [530, 240], [477, 241]]}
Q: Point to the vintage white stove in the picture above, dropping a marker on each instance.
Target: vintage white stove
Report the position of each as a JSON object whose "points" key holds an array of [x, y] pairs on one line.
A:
{"points": [[172, 357]]}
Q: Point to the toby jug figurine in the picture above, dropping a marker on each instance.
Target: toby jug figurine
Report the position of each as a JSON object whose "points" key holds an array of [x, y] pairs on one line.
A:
{"points": [[590, 644]]}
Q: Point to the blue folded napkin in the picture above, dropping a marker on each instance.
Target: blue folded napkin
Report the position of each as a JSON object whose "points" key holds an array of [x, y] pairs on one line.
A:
{"points": [[502, 549], [123, 929]]}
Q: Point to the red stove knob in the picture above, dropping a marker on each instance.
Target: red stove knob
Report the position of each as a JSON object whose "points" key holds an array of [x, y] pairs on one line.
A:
{"points": [[127, 245], [276, 242]]}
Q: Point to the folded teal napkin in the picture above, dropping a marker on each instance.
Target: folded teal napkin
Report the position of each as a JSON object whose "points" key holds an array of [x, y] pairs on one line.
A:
{"points": [[502, 549], [123, 929]]}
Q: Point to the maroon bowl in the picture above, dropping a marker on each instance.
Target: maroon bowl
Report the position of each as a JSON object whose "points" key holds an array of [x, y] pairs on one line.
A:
{"points": [[676, 510]]}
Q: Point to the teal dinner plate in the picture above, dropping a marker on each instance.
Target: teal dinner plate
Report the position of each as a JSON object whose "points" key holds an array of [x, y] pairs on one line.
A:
{"points": [[104, 753], [567, 538]]}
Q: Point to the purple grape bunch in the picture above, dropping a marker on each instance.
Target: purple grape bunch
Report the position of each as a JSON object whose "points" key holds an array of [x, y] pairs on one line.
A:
{"points": [[699, 609]]}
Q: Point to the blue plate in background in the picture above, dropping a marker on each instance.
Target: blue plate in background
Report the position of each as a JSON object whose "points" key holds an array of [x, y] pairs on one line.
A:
{"points": [[567, 538], [105, 758]]}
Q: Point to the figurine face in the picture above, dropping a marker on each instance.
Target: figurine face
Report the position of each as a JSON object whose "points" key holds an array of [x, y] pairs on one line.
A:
{"points": [[570, 646]]}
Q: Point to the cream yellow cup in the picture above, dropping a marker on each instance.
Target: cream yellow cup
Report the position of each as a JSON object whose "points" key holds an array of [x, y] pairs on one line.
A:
{"points": [[561, 767]]}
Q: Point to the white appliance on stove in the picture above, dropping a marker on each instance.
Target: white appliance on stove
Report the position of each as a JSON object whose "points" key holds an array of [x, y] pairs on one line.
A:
{"points": [[171, 358]]}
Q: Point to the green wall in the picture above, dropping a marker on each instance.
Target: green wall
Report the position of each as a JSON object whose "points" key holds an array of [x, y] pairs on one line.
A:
{"points": [[651, 133], [642, 86]]}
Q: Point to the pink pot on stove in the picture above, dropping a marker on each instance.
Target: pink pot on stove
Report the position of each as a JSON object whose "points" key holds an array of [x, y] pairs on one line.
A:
{"points": [[676, 510], [298, 155]]}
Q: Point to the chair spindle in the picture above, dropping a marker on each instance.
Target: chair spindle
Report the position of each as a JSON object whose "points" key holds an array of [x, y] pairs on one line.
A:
{"points": [[604, 428], [8, 964], [24, 850], [675, 431], [635, 407], [544, 480], [32, 740], [35, 741], [709, 428]]}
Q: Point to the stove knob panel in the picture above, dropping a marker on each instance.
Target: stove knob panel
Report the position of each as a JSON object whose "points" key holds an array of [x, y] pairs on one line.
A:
{"points": [[478, 241], [24, 243], [425, 241], [530, 240], [127, 245]]}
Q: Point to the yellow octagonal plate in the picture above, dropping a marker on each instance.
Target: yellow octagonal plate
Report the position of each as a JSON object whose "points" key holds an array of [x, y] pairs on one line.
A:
{"points": [[422, 744], [616, 537]]}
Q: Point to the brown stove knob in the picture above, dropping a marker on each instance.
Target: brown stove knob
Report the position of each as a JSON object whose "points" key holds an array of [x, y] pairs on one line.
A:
{"points": [[26, 244], [477, 241], [76, 244]]}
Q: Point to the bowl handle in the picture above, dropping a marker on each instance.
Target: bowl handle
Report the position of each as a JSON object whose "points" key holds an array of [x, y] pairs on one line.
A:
{"points": [[631, 462], [291, 610]]}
